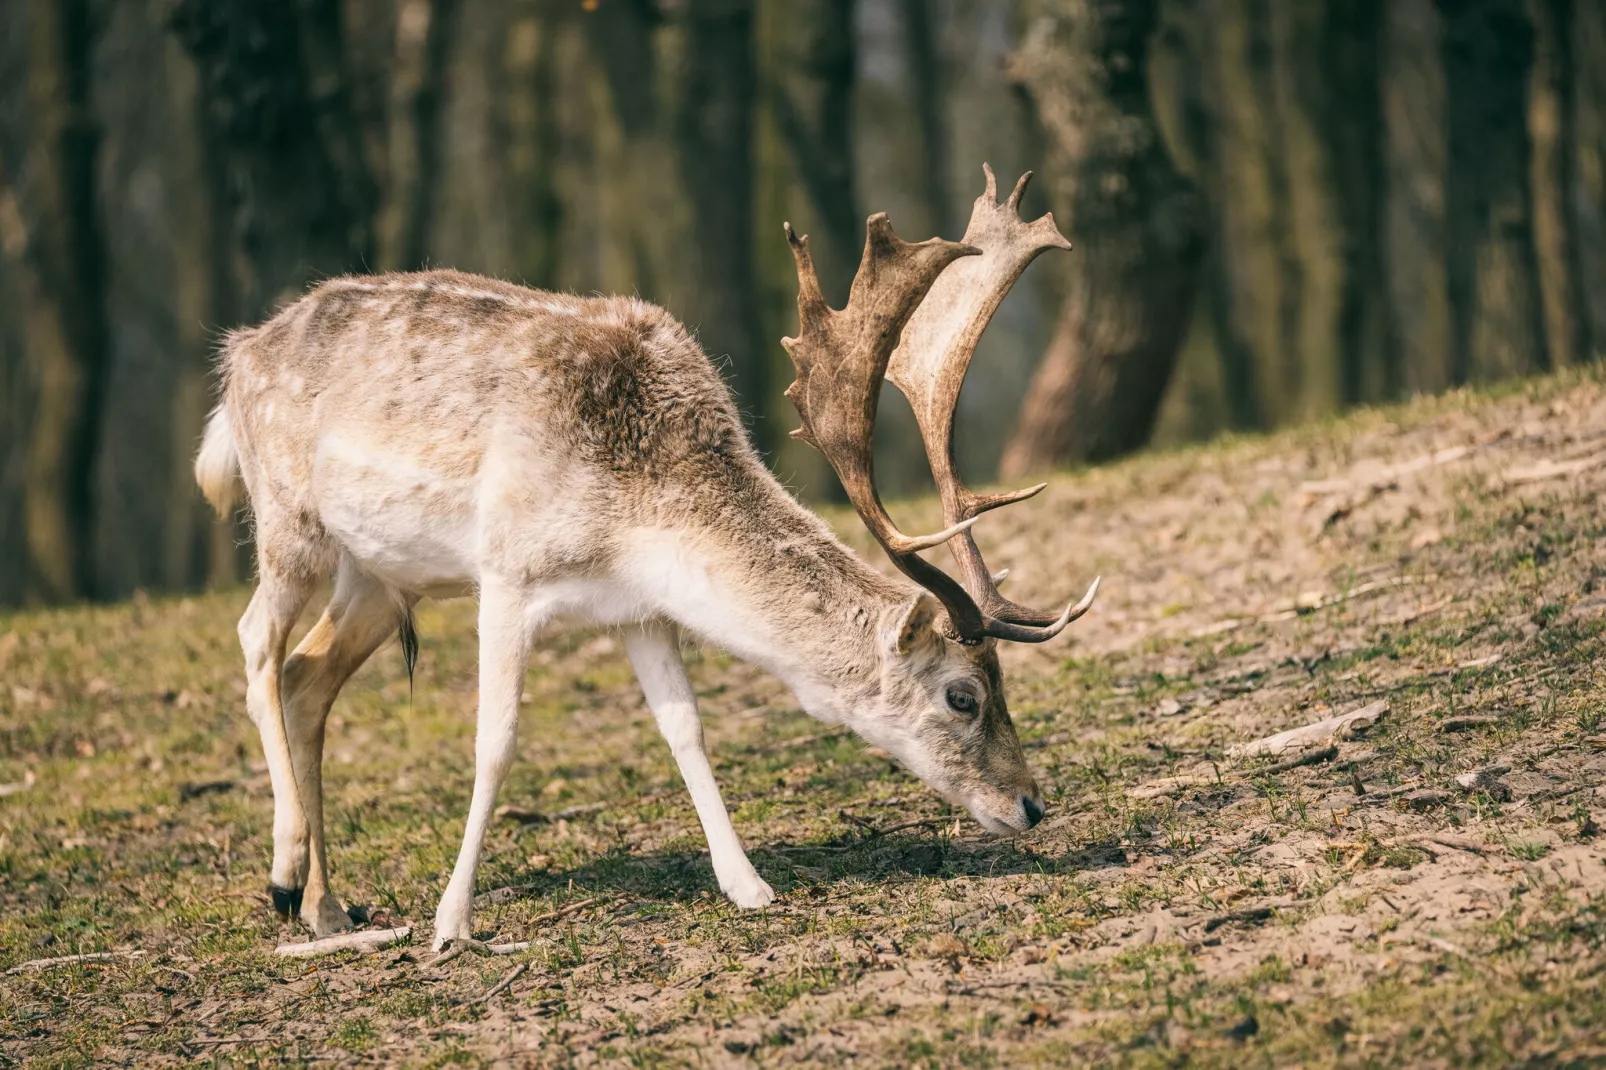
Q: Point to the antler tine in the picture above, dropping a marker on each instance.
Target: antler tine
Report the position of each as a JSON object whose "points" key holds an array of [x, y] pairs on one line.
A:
{"points": [[929, 367], [841, 359]]}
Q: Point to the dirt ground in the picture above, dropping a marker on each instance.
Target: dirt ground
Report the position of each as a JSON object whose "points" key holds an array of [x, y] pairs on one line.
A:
{"points": [[1425, 887]]}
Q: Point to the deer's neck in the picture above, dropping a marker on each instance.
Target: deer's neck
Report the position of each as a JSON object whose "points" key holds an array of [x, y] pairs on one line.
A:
{"points": [[759, 575]]}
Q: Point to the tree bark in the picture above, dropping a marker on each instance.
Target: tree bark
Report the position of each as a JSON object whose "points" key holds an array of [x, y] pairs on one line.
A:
{"points": [[713, 126], [1138, 225], [279, 106], [1553, 126], [424, 35], [689, 158], [68, 333], [1496, 312], [1589, 197], [1414, 161], [1348, 102], [812, 98], [929, 84], [525, 111]]}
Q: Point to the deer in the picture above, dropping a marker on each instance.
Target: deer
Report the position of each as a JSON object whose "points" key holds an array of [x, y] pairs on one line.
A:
{"points": [[580, 462]]}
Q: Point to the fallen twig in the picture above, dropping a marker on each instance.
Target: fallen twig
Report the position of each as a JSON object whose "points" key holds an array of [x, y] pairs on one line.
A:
{"points": [[369, 940], [1482, 962], [525, 816], [71, 960], [501, 986], [1167, 786], [186, 792], [872, 830], [1260, 913], [457, 948], [1333, 728], [1306, 757], [1455, 843], [1546, 469], [25, 784]]}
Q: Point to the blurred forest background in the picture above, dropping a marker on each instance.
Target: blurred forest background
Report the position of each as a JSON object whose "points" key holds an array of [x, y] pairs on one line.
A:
{"points": [[1280, 209]]}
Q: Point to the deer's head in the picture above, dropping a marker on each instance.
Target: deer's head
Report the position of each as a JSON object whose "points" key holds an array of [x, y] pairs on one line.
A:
{"points": [[914, 315]]}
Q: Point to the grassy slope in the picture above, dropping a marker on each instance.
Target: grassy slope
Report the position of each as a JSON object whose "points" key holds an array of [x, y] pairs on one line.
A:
{"points": [[1359, 910]]}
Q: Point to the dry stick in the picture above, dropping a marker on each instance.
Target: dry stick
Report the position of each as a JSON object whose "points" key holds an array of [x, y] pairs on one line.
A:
{"points": [[501, 986], [70, 960], [1307, 757], [1259, 913], [459, 947], [924, 823], [1482, 962], [371, 940], [872, 830], [1452, 842]]}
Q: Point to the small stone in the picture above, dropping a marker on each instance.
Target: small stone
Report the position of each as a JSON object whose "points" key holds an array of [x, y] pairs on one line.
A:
{"points": [[1169, 707], [1487, 781], [1425, 799]]}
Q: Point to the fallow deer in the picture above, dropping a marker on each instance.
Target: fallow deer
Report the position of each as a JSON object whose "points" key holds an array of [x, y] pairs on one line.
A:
{"points": [[580, 460]]}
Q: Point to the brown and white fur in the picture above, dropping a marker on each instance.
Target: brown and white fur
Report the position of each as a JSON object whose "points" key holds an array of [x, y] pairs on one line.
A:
{"points": [[569, 460]]}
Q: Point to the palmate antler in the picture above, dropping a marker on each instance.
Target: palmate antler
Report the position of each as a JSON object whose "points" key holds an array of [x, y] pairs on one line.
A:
{"points": [[929, 368], [938, 295]]}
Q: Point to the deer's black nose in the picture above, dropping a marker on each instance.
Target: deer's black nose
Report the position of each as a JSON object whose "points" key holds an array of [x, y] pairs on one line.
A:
{"points": [[1034, 810]]}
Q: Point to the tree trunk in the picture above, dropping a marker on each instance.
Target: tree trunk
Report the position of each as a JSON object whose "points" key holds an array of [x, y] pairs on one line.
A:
{"points": [[1553, 126], [929, 84], [424, 32], [1137, 224], [1347, 99], [68, 335], [201, 549], [525, 110], [688, 154], [812, 98], [1496, 314], [713, 126], [1589, 197], [279, 106], [1414, 161]]}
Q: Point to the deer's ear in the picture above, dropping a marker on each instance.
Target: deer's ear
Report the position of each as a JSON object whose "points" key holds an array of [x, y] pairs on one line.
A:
{"points": [[915, 623]]}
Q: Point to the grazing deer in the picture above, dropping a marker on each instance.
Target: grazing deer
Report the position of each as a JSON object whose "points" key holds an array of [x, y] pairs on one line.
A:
{"points": [[580, 460]]}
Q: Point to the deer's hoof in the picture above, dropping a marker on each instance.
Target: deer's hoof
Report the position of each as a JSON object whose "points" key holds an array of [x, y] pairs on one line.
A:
{"points": [[751, 893], [327, 919], [286, 901]]}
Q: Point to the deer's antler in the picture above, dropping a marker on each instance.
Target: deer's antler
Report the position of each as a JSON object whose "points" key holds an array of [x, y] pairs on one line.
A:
{"points": [[939, 311], [841, 358], [929, 368]]}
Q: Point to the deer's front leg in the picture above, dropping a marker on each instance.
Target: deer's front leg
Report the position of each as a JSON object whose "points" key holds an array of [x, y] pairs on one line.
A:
{"points": [[506, 628], [654, 652]]}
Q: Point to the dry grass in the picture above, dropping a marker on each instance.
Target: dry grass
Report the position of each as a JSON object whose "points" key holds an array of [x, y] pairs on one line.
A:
{"points": [[1179, 906]]}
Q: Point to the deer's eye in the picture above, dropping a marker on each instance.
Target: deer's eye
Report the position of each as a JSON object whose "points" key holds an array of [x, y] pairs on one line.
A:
{"points": [[963, 699]]}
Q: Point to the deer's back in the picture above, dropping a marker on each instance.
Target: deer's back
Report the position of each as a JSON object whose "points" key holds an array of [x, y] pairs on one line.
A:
{"points": [[406, 404]]}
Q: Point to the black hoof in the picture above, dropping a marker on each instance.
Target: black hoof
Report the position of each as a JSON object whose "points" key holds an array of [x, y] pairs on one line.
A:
{"points": [[286, 901]]}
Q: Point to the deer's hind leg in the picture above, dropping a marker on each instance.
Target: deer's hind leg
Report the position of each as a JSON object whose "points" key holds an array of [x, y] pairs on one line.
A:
{"points": [[282, 593], [360, 616]]}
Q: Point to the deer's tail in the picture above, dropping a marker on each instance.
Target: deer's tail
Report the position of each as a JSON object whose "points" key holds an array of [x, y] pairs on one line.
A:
{"points": [[217, 465]]}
